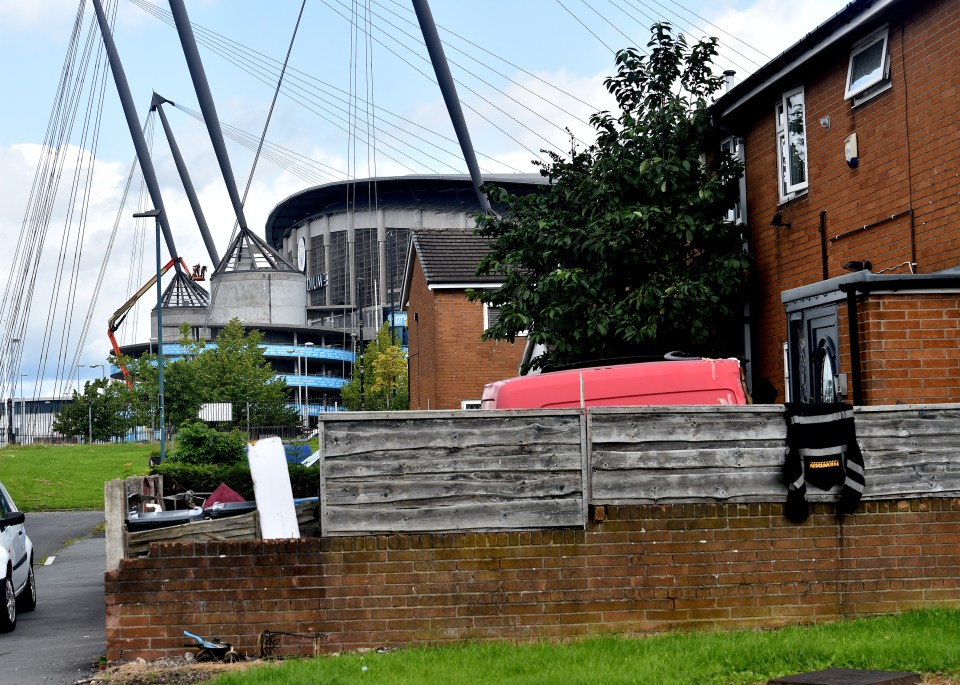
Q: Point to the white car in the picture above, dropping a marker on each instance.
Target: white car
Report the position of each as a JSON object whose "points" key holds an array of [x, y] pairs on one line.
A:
{"points": [[16, 564]]}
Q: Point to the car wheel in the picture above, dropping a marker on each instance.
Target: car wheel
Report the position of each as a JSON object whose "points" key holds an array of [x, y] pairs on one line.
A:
{"points": [[27, 601], [8, 616]]}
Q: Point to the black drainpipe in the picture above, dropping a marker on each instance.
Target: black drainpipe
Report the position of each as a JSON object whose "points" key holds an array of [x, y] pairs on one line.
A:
{"points": [[854, 324], [823, 243]]}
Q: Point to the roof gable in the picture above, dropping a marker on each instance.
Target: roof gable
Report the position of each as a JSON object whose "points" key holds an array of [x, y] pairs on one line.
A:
{"points": [[451, 256], [834, 36]]}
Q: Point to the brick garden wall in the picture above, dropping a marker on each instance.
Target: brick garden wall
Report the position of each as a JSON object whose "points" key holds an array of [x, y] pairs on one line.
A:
{"points": [[643, 569]]}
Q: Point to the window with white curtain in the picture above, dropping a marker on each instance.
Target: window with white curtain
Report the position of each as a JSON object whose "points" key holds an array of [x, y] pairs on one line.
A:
{"points": [[791, 144]]}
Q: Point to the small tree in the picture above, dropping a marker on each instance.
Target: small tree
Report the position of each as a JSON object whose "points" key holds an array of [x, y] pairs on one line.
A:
{"points": [[101, 410], [236, 371], [627, 251], [197, 443], [385, 382]]}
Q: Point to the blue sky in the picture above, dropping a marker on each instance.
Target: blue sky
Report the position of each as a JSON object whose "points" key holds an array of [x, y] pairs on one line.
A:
{"points": [[530, 69]]}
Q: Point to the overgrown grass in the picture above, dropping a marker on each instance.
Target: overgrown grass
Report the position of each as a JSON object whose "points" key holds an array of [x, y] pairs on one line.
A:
{"points": [[925, 641], [62, 477]]}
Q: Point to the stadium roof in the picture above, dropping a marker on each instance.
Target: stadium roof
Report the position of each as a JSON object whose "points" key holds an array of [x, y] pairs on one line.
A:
{"points": [[437, 193]]}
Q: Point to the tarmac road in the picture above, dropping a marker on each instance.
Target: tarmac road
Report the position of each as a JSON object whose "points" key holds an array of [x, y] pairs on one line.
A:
{"points": [[63, 639]]}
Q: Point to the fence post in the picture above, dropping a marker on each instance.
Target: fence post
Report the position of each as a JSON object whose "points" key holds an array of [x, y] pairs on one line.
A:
{"points": [[114, 509]]}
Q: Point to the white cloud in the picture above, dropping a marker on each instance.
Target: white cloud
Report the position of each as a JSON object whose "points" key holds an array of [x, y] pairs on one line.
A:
{"points": [[54, 264], [24, 14]]}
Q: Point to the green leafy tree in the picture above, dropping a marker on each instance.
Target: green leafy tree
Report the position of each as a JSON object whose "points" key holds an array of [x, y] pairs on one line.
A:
{"points": [[103, 409], [182, 390], [385, 382], [627, 251], [235, 370]]}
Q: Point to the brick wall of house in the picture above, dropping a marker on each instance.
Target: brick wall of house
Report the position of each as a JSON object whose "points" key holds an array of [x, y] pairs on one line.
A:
{"points": [[643, 569], [910, 348], [422, 342], [899, 204], [454, 364]]}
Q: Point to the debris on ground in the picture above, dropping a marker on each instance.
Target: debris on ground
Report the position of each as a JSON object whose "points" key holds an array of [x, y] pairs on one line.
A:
{"points": [[168, 671]]}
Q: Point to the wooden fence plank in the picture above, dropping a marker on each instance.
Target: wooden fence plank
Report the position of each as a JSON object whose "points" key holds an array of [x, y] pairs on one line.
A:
{"points": [[472, 470], [459, 517]]}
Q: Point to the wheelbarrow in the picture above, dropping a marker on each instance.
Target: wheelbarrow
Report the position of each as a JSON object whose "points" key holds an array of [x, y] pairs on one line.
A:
{"points": [[213, 650]]}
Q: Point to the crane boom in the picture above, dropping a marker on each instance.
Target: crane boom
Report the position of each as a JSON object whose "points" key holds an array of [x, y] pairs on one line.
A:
{"points": [[118, 316]]}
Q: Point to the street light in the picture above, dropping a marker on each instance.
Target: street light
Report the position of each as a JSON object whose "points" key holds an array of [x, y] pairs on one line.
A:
{"points": [[155, 213], [23, 406], [103, 374], [306, 387], [11, 407]]}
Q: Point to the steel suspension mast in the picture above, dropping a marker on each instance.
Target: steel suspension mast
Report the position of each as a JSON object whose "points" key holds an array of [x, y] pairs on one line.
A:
{"points": [[156, 104], [207, 106], [449, 90], [139, 142]]}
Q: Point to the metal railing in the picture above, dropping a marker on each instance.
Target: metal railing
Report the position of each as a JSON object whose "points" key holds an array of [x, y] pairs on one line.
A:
{"points": [[32, 422]]}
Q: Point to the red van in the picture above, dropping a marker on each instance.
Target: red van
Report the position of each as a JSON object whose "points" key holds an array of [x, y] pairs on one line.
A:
{"points": [[691, 381]]}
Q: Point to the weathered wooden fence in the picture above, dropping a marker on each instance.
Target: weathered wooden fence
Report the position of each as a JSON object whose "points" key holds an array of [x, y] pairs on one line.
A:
{"points": [[443, 471], [508, 470]]}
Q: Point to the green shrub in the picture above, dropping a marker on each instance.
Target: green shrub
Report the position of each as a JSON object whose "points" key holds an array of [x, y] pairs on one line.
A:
{"points": [[197, 443], [204, 457], [180, 477]]}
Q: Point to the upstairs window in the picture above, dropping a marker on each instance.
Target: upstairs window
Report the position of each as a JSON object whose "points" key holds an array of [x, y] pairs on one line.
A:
{"points": [[791, 144], [869, 70], [491, 315], [733, 146]]}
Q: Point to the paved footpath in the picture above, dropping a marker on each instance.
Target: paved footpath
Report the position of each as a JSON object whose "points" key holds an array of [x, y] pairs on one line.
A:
{"points": [[62, 641]]}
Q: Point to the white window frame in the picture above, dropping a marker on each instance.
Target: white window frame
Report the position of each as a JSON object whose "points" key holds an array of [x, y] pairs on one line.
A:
{"points": [[471, 405], [734, 147], [788, 187], [486, 314], [881, 77], [486, 319]]}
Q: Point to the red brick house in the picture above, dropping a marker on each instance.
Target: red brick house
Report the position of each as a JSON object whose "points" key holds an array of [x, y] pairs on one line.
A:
{"points": [[449, 364], [851, 142]]}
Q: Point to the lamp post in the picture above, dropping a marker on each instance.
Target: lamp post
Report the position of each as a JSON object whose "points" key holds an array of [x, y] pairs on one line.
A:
{"points": [[299, 379], [23, 407], [103, 374], [306, 388], [11, 406], [155, 213], [359, 353]]}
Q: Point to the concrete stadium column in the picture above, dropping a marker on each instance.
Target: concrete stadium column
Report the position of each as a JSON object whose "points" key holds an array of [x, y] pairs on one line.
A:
{"points": [[326, 258], [352, 257], [382, 258]]}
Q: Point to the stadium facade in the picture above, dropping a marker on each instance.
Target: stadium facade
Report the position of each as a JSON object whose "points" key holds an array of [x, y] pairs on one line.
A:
{"points": [[333, 255]]}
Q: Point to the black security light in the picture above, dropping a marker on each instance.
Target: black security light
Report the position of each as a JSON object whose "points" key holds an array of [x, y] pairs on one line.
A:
{"points": [[778, 222], [858, 265]]}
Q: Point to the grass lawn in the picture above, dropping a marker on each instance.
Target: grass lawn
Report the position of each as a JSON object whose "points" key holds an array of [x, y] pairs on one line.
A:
{"points": [[63, 477], [921, 641]]}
